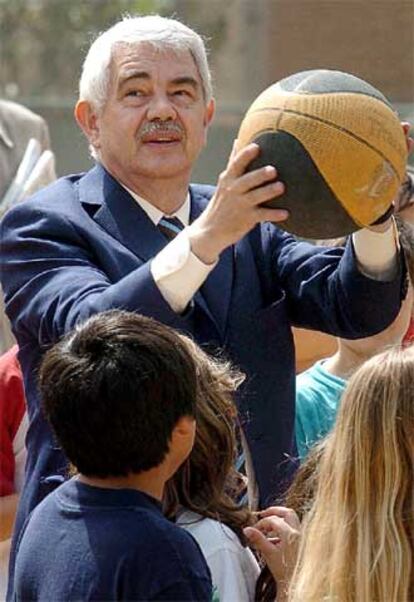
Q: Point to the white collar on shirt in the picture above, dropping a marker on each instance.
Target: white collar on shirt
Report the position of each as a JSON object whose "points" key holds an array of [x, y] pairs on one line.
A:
{"points": [[155, 215]]}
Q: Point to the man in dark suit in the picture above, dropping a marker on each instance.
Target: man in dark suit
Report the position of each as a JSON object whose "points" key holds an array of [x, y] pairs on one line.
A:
{"points": [[230, 278]]}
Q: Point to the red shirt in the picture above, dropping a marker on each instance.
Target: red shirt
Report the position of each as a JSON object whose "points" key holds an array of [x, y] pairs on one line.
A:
{"points": [[12, 409], [409, 335]]}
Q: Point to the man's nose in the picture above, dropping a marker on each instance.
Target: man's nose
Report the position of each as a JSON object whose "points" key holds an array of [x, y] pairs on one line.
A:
{"points": [[161, 108]]}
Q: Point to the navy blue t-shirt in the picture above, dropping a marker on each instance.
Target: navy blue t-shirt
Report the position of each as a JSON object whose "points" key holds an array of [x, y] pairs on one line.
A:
{"points": [[89, 543]]}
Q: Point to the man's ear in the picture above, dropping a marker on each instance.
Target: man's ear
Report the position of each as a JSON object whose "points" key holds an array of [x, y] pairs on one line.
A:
{"points": [[88, 121], [209, 113], [208, 117]]}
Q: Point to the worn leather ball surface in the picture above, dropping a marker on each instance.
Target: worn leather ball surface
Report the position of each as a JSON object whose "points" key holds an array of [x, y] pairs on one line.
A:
{"points": [[336, 143]]}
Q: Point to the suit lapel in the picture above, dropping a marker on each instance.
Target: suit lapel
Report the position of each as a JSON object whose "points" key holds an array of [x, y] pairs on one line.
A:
{"points": [[114, 209], [216, 290]]}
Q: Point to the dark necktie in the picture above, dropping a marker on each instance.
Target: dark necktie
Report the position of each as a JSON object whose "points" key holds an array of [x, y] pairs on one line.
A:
{"points": [[170, 227]]}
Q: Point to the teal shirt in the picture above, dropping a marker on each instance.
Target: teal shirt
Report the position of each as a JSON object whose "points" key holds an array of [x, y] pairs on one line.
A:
{"points": [[318, 394]]}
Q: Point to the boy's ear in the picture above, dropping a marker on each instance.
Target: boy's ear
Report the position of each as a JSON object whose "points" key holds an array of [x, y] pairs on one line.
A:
{"points": [[88, 121], [182, 438]]}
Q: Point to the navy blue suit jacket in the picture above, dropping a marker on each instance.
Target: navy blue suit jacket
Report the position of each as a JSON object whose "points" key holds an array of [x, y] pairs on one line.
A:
{"points": [[83, 245]]}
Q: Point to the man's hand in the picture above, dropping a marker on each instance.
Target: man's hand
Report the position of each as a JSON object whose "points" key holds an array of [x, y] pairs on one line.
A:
{"points": [[406, 126], [410, 145], [235, 207]]}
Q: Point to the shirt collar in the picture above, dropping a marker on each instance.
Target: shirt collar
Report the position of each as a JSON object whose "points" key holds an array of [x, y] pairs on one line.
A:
{"points": [[155, 215]]}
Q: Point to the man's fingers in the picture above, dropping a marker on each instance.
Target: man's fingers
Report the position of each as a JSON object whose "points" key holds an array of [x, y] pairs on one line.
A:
{"points": [[265, 193], [406, 126], [255, 179], [238, 163], [271, 215], [234, 150], [252, 186]]}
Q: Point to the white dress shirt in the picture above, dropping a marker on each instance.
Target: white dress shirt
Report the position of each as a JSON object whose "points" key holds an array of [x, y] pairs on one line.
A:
{"points": [[179, 273]]}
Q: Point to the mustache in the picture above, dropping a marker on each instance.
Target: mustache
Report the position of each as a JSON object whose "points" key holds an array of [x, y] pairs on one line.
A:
{"points": [[163, 127]]}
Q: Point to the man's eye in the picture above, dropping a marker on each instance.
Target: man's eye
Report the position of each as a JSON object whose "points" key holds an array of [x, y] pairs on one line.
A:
{"points": [[184, 93], [135, 93]]}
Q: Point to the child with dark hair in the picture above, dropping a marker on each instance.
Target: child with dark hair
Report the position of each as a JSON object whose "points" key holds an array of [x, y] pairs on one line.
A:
{"points": [[120, 393], [203, 492]]}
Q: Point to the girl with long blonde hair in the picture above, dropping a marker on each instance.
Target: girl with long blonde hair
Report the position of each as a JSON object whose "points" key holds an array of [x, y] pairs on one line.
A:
{"points": [[357, 542]]}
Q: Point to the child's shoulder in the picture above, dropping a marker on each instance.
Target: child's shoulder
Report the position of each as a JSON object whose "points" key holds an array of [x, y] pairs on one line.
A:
{"points": [[208, 530], [175, 535]]}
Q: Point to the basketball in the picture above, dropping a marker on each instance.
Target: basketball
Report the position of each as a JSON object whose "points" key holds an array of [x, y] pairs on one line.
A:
{"points": [[338, 147]]}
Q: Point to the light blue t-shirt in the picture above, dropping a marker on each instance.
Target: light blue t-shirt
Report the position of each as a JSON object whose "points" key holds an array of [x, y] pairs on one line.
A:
{"points": [[318, 394]]}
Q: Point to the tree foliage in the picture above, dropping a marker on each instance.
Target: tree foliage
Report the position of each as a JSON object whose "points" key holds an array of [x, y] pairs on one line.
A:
{"points": [[42, 42]]}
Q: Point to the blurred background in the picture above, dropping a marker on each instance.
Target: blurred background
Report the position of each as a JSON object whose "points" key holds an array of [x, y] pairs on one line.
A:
{"points": [[252, 43]]}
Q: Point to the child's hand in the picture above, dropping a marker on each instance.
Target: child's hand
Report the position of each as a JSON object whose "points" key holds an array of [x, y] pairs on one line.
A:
{"points": [[276, 537]]}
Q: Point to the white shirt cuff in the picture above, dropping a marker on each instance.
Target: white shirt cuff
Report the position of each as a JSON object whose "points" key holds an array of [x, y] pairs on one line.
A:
{"points": [[377, 252], [178, 273]]}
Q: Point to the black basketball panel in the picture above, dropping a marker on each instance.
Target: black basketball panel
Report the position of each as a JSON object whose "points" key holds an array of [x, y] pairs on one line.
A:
{"points": [[323, 81], [315, 211]]}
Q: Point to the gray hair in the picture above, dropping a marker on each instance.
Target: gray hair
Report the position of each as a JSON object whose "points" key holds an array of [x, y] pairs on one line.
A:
{"points": [[156, 30]]}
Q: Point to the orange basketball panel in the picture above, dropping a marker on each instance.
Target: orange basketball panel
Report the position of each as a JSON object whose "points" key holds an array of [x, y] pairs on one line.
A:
{"points": [[367, 118], [365, 191]]}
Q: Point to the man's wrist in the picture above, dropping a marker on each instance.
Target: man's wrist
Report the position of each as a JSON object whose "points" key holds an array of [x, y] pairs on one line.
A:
{"points": [[203, 243], [383, 227], [178, 272], [377, 252]]}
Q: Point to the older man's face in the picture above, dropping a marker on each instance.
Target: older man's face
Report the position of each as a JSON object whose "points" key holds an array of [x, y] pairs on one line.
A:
{"points": [[155, 120]]}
